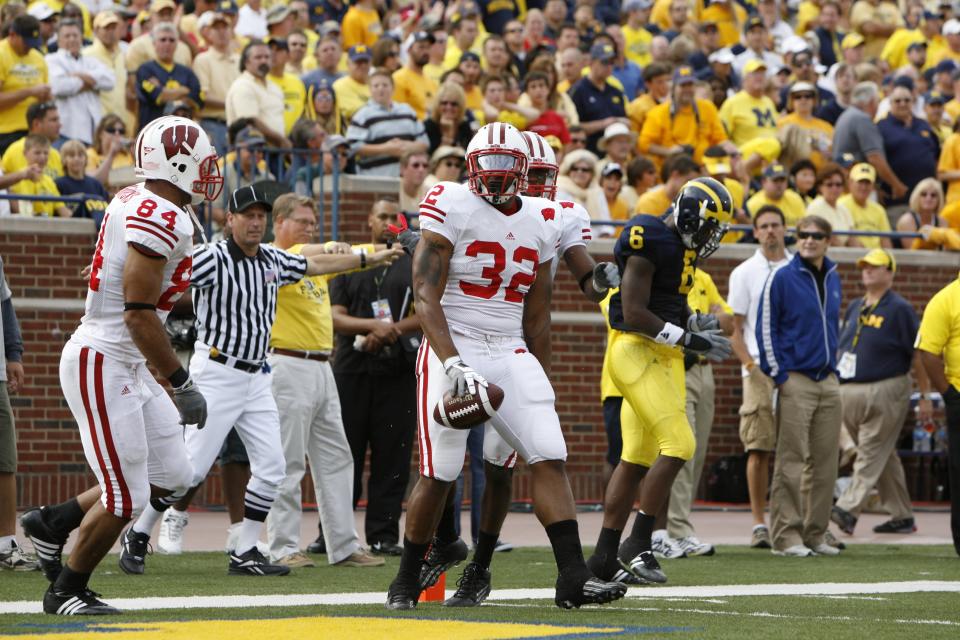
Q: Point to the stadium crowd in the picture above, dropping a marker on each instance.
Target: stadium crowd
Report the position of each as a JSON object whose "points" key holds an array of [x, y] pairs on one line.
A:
{"points": [[828, 116]]}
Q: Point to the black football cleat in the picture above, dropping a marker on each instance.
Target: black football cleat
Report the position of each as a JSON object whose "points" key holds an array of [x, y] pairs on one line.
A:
{"points": [[317, 546], [76, 603], [46, 542], [645, 567], [134, 548], [610, 571], [843, 519], [904, 525], [253, 563], [441, 559], [402, 595], [473, 587], [573, 594]]}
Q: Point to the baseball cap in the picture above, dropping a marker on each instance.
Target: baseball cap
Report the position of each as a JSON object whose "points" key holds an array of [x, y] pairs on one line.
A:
{"points": [[249, 137], [717, 166], [228, 7], [775, 170], [636, 5], [159, 5], [917, 44], [754, 65], [603, 52], [753, 23], [851, 40], [611, 168], [794, 44], [424, 36], [277, 14], [359, 52], [904, 81], [446, 151], [945, 66], [28, 28], [801, 87], [684, 75], [209, 18], [468, 56], [846, 160], [41, 11], [279, 43], [951, 27], [934, 97], [878, 258], [328, 27], [105, 19], [722, 56], [863, 171], [245, 197]]}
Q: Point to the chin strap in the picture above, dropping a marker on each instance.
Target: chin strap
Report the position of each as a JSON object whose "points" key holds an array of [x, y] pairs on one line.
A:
{"points": [[196, 222]]}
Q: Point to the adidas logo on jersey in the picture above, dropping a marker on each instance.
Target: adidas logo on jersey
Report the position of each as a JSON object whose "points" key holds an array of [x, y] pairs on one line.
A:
{"points": [[125, 391], [510, 236]]}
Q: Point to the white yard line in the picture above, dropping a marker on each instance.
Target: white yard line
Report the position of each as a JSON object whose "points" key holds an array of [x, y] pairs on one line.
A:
{"points": [[700, 592]]}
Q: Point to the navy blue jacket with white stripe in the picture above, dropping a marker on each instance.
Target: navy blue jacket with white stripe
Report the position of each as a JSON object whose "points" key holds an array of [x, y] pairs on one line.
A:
{"points": [[795, 331]]}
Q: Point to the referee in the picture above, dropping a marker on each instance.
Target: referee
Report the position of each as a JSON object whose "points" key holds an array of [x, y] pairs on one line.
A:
{"points": [[235, 285]]}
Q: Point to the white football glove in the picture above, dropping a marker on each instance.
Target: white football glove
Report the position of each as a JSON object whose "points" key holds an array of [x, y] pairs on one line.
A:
{"points": [[711, 343], [606, 275], [463, 378], [702, 322]]}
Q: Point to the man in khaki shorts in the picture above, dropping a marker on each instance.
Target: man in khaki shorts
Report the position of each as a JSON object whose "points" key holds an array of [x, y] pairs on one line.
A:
{"points": [[757, 426]]}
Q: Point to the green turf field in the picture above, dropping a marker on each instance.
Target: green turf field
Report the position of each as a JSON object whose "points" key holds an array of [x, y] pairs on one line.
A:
{"points": [[853, 615]]}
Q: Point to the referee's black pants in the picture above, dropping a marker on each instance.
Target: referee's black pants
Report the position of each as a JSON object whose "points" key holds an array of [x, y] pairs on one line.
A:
{"points": [[380, 412], [952, 403]]}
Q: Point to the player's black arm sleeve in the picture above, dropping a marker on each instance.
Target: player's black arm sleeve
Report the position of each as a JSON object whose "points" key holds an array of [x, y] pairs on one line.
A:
{"points": [[536, 316], [142, 280], [635, 296], [430, 266], [581, 265]]}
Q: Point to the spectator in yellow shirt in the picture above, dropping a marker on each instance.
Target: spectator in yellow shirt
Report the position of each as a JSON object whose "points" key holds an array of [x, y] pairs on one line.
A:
{"points": [[497, 109], [677, 171], [875, 20], [635, 33], [361, 25], [36, 148], [294, 92], [684, 124], [352, 90], [43, 118], [611, 181], [948, 168], [471, 72], [728, 15], [868, 215], [800, 104], [411, 86], [23, 77], [656, 77], [464, 38], [775, 191], [750, 114]]}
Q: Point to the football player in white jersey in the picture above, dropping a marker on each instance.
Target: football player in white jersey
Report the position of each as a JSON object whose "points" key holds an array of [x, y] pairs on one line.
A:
{"points": [[594, 280], [482, 283], [131, 430]]}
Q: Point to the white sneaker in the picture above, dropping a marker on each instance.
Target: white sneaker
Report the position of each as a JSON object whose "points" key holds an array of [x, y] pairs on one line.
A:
{"points": [[796, 551], [823, 549], [691, 546], [234, 532], [663, 546], [170, 540]]}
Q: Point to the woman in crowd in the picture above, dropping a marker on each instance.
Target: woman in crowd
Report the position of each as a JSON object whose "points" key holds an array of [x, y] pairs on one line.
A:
{"points": [[322, 107], [925, 205], [446, 165], [830, 184], [576, 183], [803, 175], [801, 102], [449, 123], [111, 148], [556, 100]]}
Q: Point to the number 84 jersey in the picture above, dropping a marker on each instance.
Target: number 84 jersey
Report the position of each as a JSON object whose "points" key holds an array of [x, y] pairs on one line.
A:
{"points": [[674, 264], [160, 227], [495, 255]]}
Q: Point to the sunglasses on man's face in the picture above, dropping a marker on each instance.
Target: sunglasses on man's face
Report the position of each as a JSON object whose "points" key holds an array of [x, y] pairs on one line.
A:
{"points": [[814, 235]]}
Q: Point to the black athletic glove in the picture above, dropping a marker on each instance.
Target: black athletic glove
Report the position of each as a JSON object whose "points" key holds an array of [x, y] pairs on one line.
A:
{"points": [[711, 343], [191, 404]]}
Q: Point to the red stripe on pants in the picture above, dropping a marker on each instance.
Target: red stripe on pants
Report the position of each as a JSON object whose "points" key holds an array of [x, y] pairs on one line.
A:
{"points": [[108, 484], [126, 503], [427, 417]]}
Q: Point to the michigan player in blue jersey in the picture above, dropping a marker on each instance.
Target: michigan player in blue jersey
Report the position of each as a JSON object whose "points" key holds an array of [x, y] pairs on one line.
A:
{"points": [[657, 257]]}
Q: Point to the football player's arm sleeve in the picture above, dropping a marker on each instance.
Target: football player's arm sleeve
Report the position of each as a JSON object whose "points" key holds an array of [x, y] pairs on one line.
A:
{"points": [[153, 236], [536, 316], [142, 282], [431, 263], [768, 330]]}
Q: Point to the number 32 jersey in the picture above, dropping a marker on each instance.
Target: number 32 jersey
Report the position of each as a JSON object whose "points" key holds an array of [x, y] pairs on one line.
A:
{"points": [[135, 215], [649, 237], [495, 256]]}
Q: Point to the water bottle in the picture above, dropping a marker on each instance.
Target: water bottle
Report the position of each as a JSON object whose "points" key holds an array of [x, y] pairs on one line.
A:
{"points": [[940, 438], [921, 438]]}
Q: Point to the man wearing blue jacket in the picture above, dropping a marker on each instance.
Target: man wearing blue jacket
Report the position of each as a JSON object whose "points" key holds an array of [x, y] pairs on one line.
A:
{"points": [[797, 327]]}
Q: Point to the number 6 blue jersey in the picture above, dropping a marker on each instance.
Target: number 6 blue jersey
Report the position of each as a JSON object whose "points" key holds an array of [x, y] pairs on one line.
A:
{"points": [[649, 237]]}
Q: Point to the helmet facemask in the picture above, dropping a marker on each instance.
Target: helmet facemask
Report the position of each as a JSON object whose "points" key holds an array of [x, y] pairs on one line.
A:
{"points": [[699, 231], [497, 175], [210, 182], [541, 181]]}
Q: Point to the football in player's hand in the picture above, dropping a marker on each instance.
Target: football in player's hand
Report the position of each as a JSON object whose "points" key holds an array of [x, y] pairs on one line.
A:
{"points": [[469, 410]]}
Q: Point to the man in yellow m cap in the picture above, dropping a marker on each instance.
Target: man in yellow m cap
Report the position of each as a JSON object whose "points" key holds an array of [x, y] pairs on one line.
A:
{"points": [[876, 355], [938, 344]]}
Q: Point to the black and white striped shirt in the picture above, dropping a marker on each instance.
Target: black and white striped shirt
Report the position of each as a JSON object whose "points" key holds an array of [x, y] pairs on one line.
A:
{"points": [[235, 296]]}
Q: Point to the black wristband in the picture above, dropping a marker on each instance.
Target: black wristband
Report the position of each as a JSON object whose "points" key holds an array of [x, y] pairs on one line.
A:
{"points": [[178, 378], [363, 259], [137, 306], [584, 279], [695, 343]]}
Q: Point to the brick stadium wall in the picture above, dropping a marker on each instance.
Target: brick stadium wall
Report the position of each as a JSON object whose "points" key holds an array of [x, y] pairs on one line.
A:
{"points": [[42, 259]]}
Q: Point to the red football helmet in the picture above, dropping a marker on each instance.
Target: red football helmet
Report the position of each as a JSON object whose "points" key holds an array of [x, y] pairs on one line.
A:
{"points": [[497, 162]]}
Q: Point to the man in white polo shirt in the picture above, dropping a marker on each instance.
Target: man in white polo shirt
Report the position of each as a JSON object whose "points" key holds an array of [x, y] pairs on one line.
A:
{"points": [[757, 425]]}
